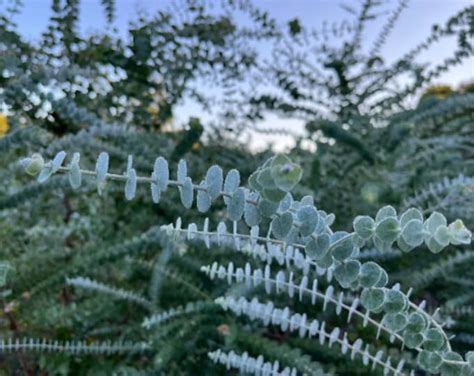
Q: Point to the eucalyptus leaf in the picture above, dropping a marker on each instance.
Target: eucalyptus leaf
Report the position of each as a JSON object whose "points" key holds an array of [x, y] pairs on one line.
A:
{"points": [[385, 212], [282, 225], [187, 193], [231, 183], [347, 272], [236, 206], [214, 181], [412, 233], [162, 173], [388, 229], [364, 226], [308, 219], [372, 298]]}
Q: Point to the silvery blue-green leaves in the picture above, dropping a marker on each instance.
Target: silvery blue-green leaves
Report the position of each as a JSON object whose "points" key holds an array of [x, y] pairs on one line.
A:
{"points": [[364, 226], [452, 369], [236, 205], [274, 195], [412, 339], [51, 167], [385, 212], [433, 339], [131, 183], [155, 190], [395, 301], [341, 245], [286, 203], [412, 232], [45, 172], [387, 229], [372, 298], [442, 235], [434, 221], [395, 321], [409, 231], [101, 169], [347, 272], [161, 173], [251, 213], [383, 280], [430, 361], [438, 235], [370, 274], [187, 193], [231, 183], [214, 181], [416, 322], [281, 225], [308, 219], [203, 199], [410, 214], [182, 172], [57, 161], [267, 208], [317, 247], [74, 174]]}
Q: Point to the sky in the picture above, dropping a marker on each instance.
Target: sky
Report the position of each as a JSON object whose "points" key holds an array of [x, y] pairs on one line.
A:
{"points": [[413, 26]]}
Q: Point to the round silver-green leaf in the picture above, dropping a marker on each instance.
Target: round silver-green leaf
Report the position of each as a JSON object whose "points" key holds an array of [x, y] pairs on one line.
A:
{"points": [[317, 248], [187, 193], [364, 226], [429, 361], [162, 173], [267, 208], [372, 298], [308, 219], [395, 321], [282, 225], [236, 206], [343, 247], [416, 322], [182, 171], [410, 214], [347, 272], [131, 184], [388, 229], [434, 340], [251, 213], [395, 301], [370, 274], [385, 212], [203, 199], [231, 183], [412, 340], [412, 233], [214, 181]]}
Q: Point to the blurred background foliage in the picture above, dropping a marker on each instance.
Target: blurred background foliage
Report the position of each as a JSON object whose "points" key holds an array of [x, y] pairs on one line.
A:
{"points": [[372, 144]]}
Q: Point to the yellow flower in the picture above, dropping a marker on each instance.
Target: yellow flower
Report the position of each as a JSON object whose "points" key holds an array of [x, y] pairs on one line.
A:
{"points": [[3, 125]]}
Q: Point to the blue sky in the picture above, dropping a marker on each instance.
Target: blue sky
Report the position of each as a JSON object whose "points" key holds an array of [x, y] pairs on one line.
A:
{"points": [[413, 26]]}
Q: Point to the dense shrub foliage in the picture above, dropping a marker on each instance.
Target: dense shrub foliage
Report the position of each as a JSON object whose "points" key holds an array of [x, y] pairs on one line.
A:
{"points": [[128, 247]]}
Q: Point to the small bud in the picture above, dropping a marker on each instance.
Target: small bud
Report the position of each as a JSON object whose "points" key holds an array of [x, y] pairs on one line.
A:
{"points": [[34, 164]]}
